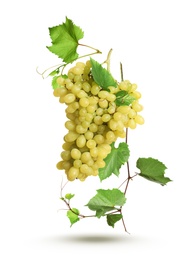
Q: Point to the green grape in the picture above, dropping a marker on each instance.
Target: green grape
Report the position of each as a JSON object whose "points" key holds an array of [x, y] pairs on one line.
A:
{"points": [[72, 173], [84, 102], [75, 153], [81, 141], [139, 120], [94, 121]]}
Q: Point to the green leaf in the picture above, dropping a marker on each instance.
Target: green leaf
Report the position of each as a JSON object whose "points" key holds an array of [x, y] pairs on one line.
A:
{"points": [[102, 76], [113, 218], [106, 200], [73, 215], [123, 98], [69, 196], [54, 72], [115, 159], [152, 170], [54, 83], [65, 39]]}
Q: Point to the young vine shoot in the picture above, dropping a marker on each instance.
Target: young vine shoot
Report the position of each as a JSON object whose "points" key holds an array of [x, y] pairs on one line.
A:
{"points": [[99, 111]]}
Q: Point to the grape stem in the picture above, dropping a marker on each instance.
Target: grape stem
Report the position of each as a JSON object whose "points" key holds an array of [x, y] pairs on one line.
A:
{"points": [[84, 45], [107, 61], [128, 168], [65, 64]]}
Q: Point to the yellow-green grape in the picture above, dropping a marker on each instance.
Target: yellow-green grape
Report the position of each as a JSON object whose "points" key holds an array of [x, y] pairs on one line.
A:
{"points": [[80, 64], [132, 123], [81, 141], [103, 103], [85, 157], [136, 106], [139, 120], [66, 155], [89, 117], [91, 144], [121, 134], [60, 92], [84, 102], [80, 129], [61, 81], [77, 70], [77, 163], [59, 165], [95, 89], [94, 152], [99, 139], [67, 146], [72, 173], [93, 127], [91, 108], [81, 94], [67, 165], [113, 124], [106, 118], [124, 109], [111, 97], [136, 94], [110, 136], [75, 153], [98, 120], [103, 94], [100, 162], [132, 113], [123, 85], [94, 120], [86, 87], [111, 109], [71, 136]]}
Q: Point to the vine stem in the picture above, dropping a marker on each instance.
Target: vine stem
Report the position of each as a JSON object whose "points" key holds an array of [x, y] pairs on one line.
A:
{"points": [[84, 45], [107, 61], [128, 168], [65, 64]]}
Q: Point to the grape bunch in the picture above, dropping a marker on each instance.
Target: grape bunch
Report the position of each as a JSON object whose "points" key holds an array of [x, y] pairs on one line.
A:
{"points": [[94, 122]]}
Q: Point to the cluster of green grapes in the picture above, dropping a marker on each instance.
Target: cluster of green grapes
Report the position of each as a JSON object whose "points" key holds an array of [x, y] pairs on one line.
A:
{"points": [[94, 120]]}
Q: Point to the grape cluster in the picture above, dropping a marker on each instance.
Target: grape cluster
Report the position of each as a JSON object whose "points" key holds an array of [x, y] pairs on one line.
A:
{"points": [[94, 120]]}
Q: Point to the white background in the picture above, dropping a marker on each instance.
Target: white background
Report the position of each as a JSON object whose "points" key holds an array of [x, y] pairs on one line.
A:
{"points": [[155, 41]]}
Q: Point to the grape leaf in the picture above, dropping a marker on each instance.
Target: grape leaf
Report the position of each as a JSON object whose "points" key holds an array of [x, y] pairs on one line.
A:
{"points": [[54, 72], [113, 218], [152, 170], [102, 76], [106, 200], [73, 215], [123, 98], [65, 39], [69, 196], [115, 159]]}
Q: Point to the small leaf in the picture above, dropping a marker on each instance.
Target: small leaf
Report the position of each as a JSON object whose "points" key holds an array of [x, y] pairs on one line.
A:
{"points": [[152, 170], [73, 215], [115, 159], [65, 39], [106, 200], [113, 218], [54, 72], [69, 196], [102, 76], [54, 83], [123, 98]]}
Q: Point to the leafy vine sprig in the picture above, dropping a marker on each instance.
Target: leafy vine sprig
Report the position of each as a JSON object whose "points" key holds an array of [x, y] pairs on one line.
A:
{"points": [[100, 111]]}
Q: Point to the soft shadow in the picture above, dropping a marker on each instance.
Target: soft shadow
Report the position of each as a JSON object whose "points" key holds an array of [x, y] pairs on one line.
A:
{"points": [[91, 238]]}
